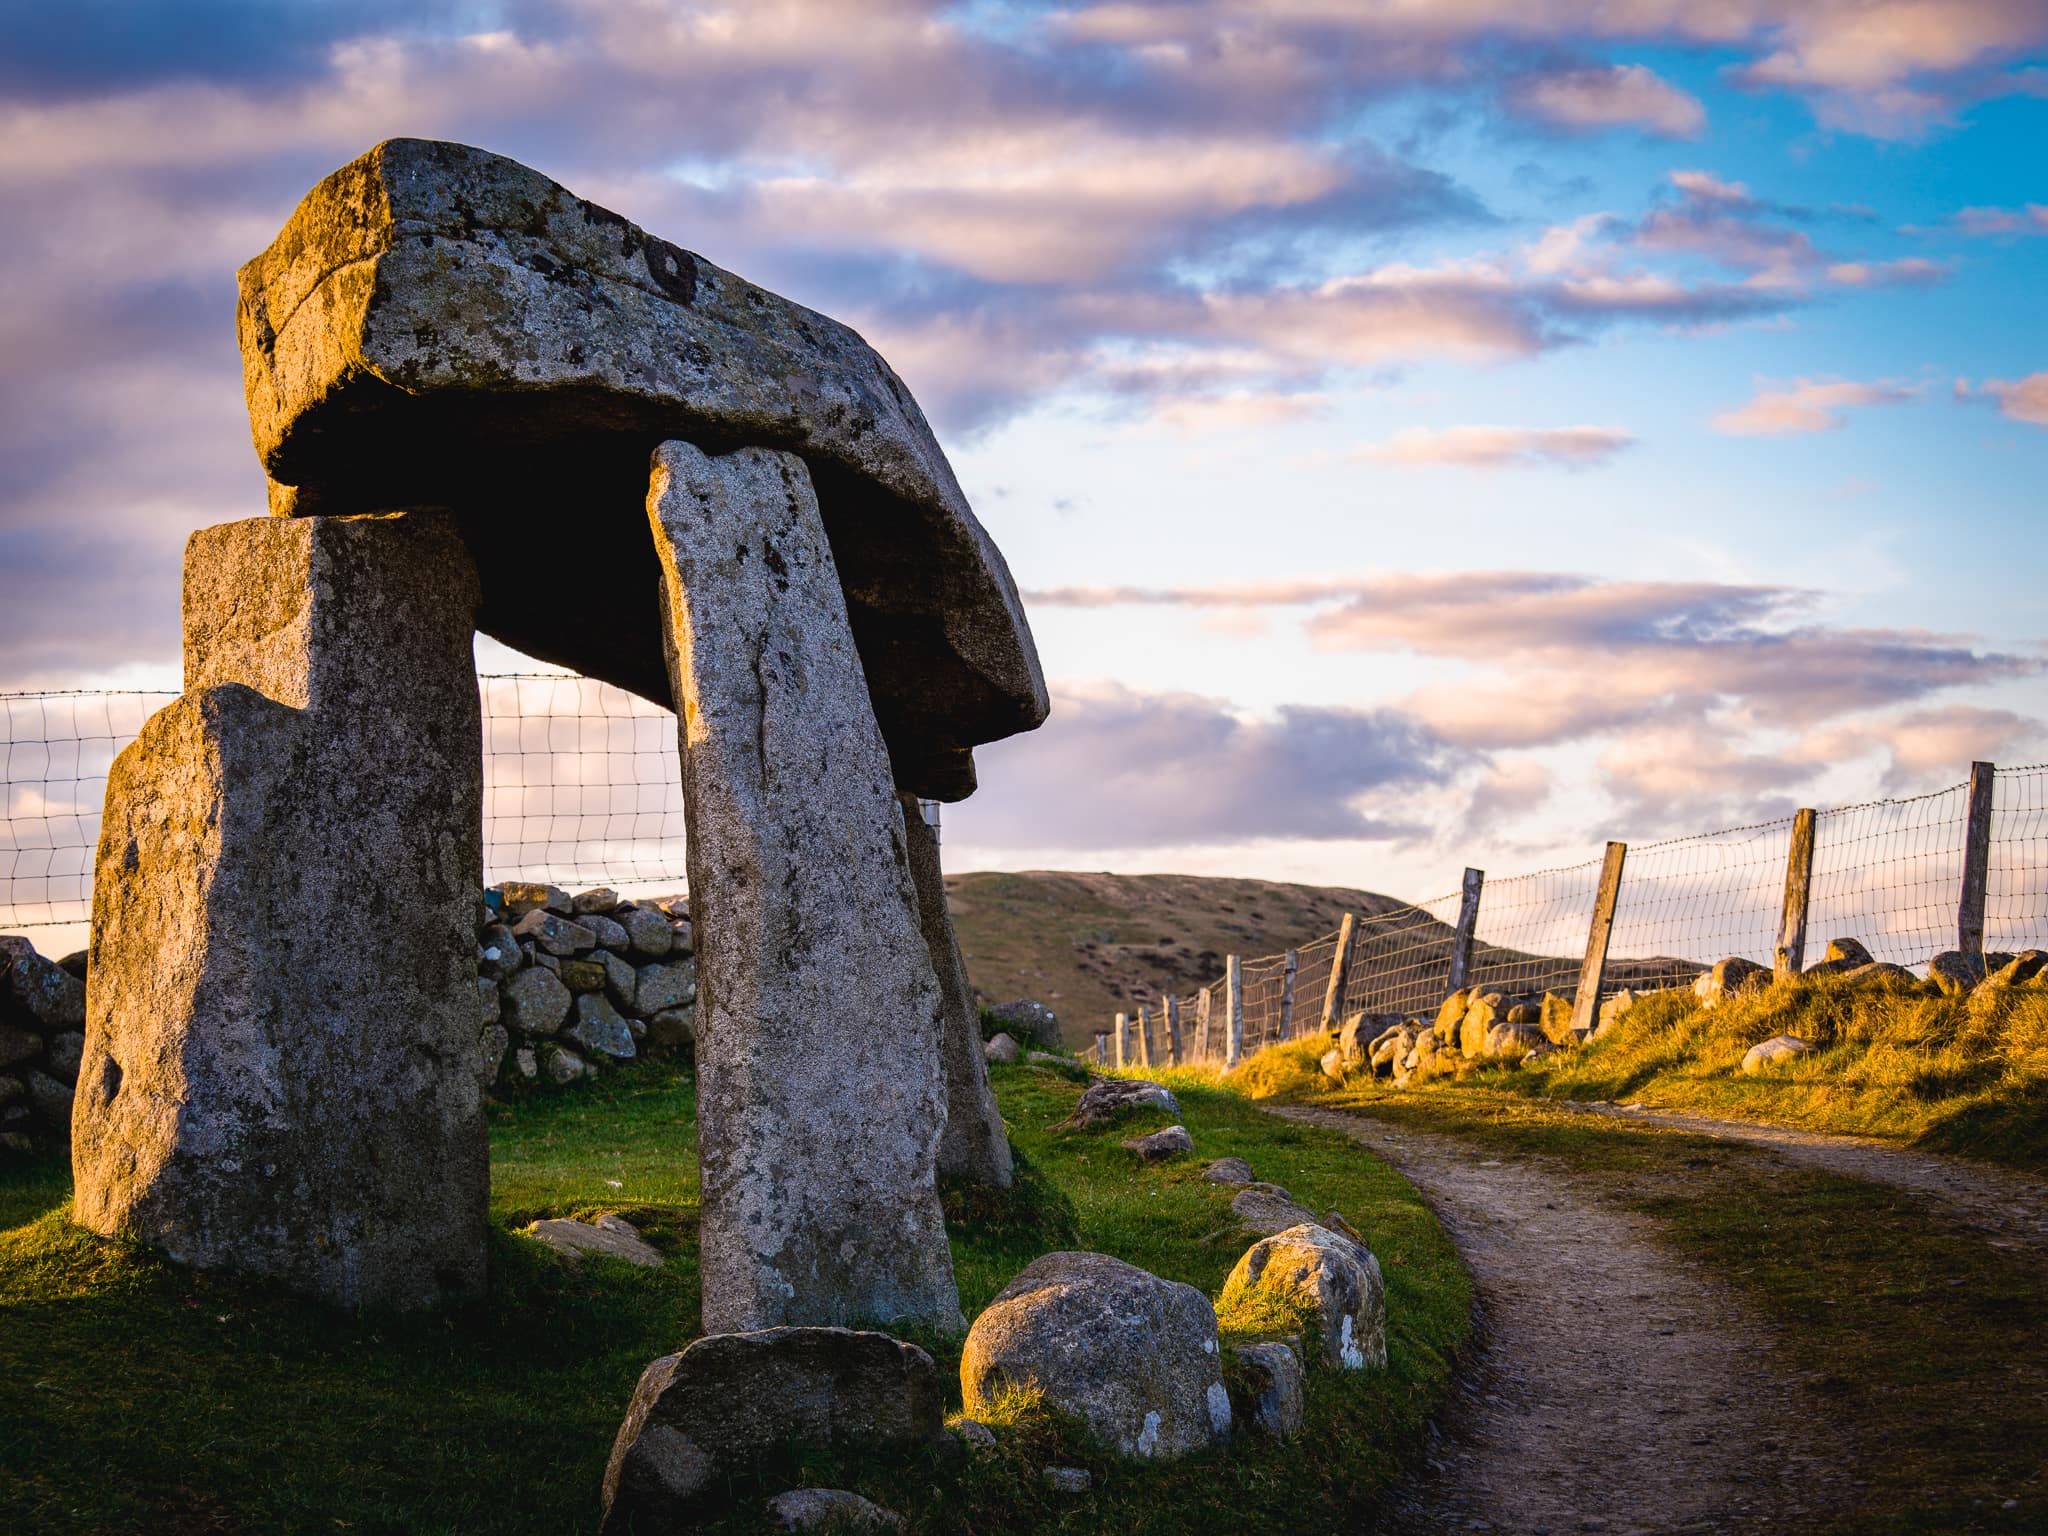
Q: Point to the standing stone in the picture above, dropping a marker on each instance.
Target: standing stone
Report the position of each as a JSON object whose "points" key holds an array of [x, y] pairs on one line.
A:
{"points": [[253, 1096], [819, 1028], [975, 1146]]}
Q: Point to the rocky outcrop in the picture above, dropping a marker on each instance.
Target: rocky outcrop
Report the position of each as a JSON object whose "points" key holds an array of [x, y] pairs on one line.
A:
{"points": [[1134, 1356]]}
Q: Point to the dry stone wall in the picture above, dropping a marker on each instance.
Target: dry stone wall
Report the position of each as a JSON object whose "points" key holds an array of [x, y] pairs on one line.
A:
{"points": [[570, 984], [42, 1038]]}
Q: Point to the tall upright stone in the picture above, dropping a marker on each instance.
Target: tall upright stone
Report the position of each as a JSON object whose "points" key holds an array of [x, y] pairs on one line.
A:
{"points": [[975, 1147], [820, 1099], [259, 1093]]}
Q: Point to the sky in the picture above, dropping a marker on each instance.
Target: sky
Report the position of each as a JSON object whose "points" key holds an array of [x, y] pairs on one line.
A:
{"points": [[1426, 432]]}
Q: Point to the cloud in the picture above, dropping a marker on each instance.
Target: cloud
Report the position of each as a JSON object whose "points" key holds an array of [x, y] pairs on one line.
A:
{"points": [[1808, 405], [1691, 773], [1560, 658], [1478, 447], [1114, 768], [2021, 399], [1906, 272], [1508, 794], [1610, 96], [2030, 220]]}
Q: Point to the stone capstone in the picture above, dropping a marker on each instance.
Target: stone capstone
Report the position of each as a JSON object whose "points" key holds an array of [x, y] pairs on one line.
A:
{"points": [[255, 1096], [1136, 1357], [729, 1401], [820, 1094], [1328, 1276], [438, 325]]}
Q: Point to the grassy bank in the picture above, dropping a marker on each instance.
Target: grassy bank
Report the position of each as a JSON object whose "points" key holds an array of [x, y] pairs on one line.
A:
{"points": [[1918, 1339], [139, 1397]]}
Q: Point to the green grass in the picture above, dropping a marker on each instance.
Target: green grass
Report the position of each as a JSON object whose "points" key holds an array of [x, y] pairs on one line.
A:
{"points": [[1920, 1341], [139, 1397]]}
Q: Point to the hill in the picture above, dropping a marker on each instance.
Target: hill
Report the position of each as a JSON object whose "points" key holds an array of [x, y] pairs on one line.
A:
{"points": [[1088, 944]]}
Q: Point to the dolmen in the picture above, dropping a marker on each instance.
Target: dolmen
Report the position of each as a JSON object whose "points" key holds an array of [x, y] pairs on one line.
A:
{"points": [[450, 361]]}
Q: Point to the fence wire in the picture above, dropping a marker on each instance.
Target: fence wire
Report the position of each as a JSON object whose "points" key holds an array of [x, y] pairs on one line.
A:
{"points": [[1687, 902], [1888, 872], [582, 786], [1401, 960], [2016, 891], [1531, 935]]}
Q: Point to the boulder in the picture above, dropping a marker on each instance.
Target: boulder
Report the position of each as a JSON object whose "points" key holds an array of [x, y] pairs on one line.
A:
{"points": [[672, 1030], [1332, 1064], [1002, 1048], [1267, 1208], [2021, 968], [18, 1045], [1611, 1011], [1107, 1098], [1134, 1356], [1555, 1017], [612, 1236], [600, 900], [526, 1063], [1772, 1051], [610, 935], [1325, 1274], [621, 981], [829, 1509], [728, 1402], [46, 992], [535, 1002], [662, 986], [53, 1101], [1228, 1170], [488, 1004], [1955, 972], [1452, 1013], [1729, 978], [1847, 953], [1511, 1042], [565, 1067], [1480, 1016], [1272, 1388], [66, 1052], [557, 936], [1068, 1479], [599, 1029], [581, 976], [974, 1434], [519, 897], [649, 934], [1028, 1020], [1160, 1145], [1880, 971]]}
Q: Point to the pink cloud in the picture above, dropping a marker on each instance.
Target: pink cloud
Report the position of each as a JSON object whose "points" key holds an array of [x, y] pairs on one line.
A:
{"points": [[2021, 399], [1808, 405], [1611, 96], [2030, 220], [1481, 447]]}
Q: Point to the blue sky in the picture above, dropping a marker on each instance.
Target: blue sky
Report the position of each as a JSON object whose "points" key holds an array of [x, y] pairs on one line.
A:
{"points": [[1425, 433]]}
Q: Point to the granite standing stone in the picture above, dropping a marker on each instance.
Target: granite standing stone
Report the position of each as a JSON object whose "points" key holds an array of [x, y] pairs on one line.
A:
{"points": [[254, 1096], [819, 1028], [975, 1146]]}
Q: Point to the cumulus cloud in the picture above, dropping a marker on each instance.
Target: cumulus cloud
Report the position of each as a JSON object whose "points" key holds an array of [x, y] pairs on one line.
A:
{"points": [[1611, 96], [1807, 405], [1925, 747], [1115, 768], [2031, 219], [1478, 447]]}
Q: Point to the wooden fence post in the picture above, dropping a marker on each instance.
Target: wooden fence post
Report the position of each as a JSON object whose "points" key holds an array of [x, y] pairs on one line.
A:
{"points": [[1233, 991], [1461, 936], [1144, 1037], [1976, 862], [1171, 1005], [1101, 1049], [1586, 1007], [1122, 1029], [1288, 967], [1340, 970], [1202, 1000], [1790, 957]]}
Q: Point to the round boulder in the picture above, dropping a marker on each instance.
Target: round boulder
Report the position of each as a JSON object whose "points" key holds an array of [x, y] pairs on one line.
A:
{"points": [[1134, 1356], [1328, 1275], [1774, 1050]]}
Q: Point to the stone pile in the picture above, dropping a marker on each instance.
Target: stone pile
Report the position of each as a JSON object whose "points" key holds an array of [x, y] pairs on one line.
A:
{"points": [[42, 1041], [568, 984]]}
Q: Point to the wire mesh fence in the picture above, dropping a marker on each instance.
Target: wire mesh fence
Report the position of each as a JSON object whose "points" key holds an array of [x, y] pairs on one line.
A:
{"points": [[582, 786]]}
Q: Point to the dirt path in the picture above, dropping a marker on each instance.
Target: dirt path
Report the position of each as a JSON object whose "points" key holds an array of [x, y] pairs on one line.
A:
{"points": [[1996, 1200], [1615, 1387]]}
